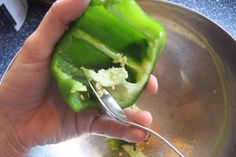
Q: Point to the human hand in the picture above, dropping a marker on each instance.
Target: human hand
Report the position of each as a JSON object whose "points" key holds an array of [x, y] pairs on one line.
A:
{"points": [[32, 110]]}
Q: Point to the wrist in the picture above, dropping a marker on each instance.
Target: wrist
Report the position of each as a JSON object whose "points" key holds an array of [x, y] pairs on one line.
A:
{"points": [[10, 143]]}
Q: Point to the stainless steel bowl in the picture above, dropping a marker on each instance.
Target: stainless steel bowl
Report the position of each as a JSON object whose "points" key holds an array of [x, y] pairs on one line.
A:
{"points": [[195, 107]]}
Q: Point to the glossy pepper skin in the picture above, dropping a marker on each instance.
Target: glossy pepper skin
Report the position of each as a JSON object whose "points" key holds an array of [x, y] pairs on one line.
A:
{"points": [[106, 28]]}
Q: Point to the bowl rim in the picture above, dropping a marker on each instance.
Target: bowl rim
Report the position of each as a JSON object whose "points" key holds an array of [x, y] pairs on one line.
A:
{"points": [[195, 12]]}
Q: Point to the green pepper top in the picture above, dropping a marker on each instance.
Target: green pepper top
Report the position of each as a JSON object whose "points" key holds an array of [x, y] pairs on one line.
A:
{"points": [[110, 34]]}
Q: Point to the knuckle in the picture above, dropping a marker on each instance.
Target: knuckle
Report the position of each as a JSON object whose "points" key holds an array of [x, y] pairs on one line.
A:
{"points": [[54, 8], [32, 50], [27, 46], [32, 43]]}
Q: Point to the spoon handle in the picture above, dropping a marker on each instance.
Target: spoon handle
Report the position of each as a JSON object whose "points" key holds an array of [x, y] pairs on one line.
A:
{"points": [[156, 134]]}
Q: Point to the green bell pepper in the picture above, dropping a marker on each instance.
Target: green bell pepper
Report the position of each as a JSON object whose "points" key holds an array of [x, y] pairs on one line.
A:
{"points": [[109, 33]]}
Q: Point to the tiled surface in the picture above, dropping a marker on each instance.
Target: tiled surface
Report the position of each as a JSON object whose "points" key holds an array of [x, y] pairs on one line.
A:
{"points": [[11, 41], [222, 12]]}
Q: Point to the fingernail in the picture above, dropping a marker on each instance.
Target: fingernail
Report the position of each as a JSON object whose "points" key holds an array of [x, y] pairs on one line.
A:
{"points": [[135, 137], [129, 138], [147, 137]]}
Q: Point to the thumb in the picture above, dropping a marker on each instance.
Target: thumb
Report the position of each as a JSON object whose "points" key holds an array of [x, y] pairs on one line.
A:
{"points": [[38, 47]]}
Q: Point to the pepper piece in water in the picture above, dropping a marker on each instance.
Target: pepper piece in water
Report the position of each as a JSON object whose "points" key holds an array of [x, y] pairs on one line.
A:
{"points": [[107, 30]]}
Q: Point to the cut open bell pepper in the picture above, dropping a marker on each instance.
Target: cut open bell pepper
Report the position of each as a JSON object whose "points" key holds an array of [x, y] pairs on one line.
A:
{"points": [[107, 31]]}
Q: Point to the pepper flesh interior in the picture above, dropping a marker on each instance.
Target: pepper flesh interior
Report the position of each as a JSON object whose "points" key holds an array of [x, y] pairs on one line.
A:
{"points": [[97, 40]]}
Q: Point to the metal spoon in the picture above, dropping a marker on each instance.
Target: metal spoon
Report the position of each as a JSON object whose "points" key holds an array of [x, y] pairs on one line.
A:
{"points": [[112, 108]]}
